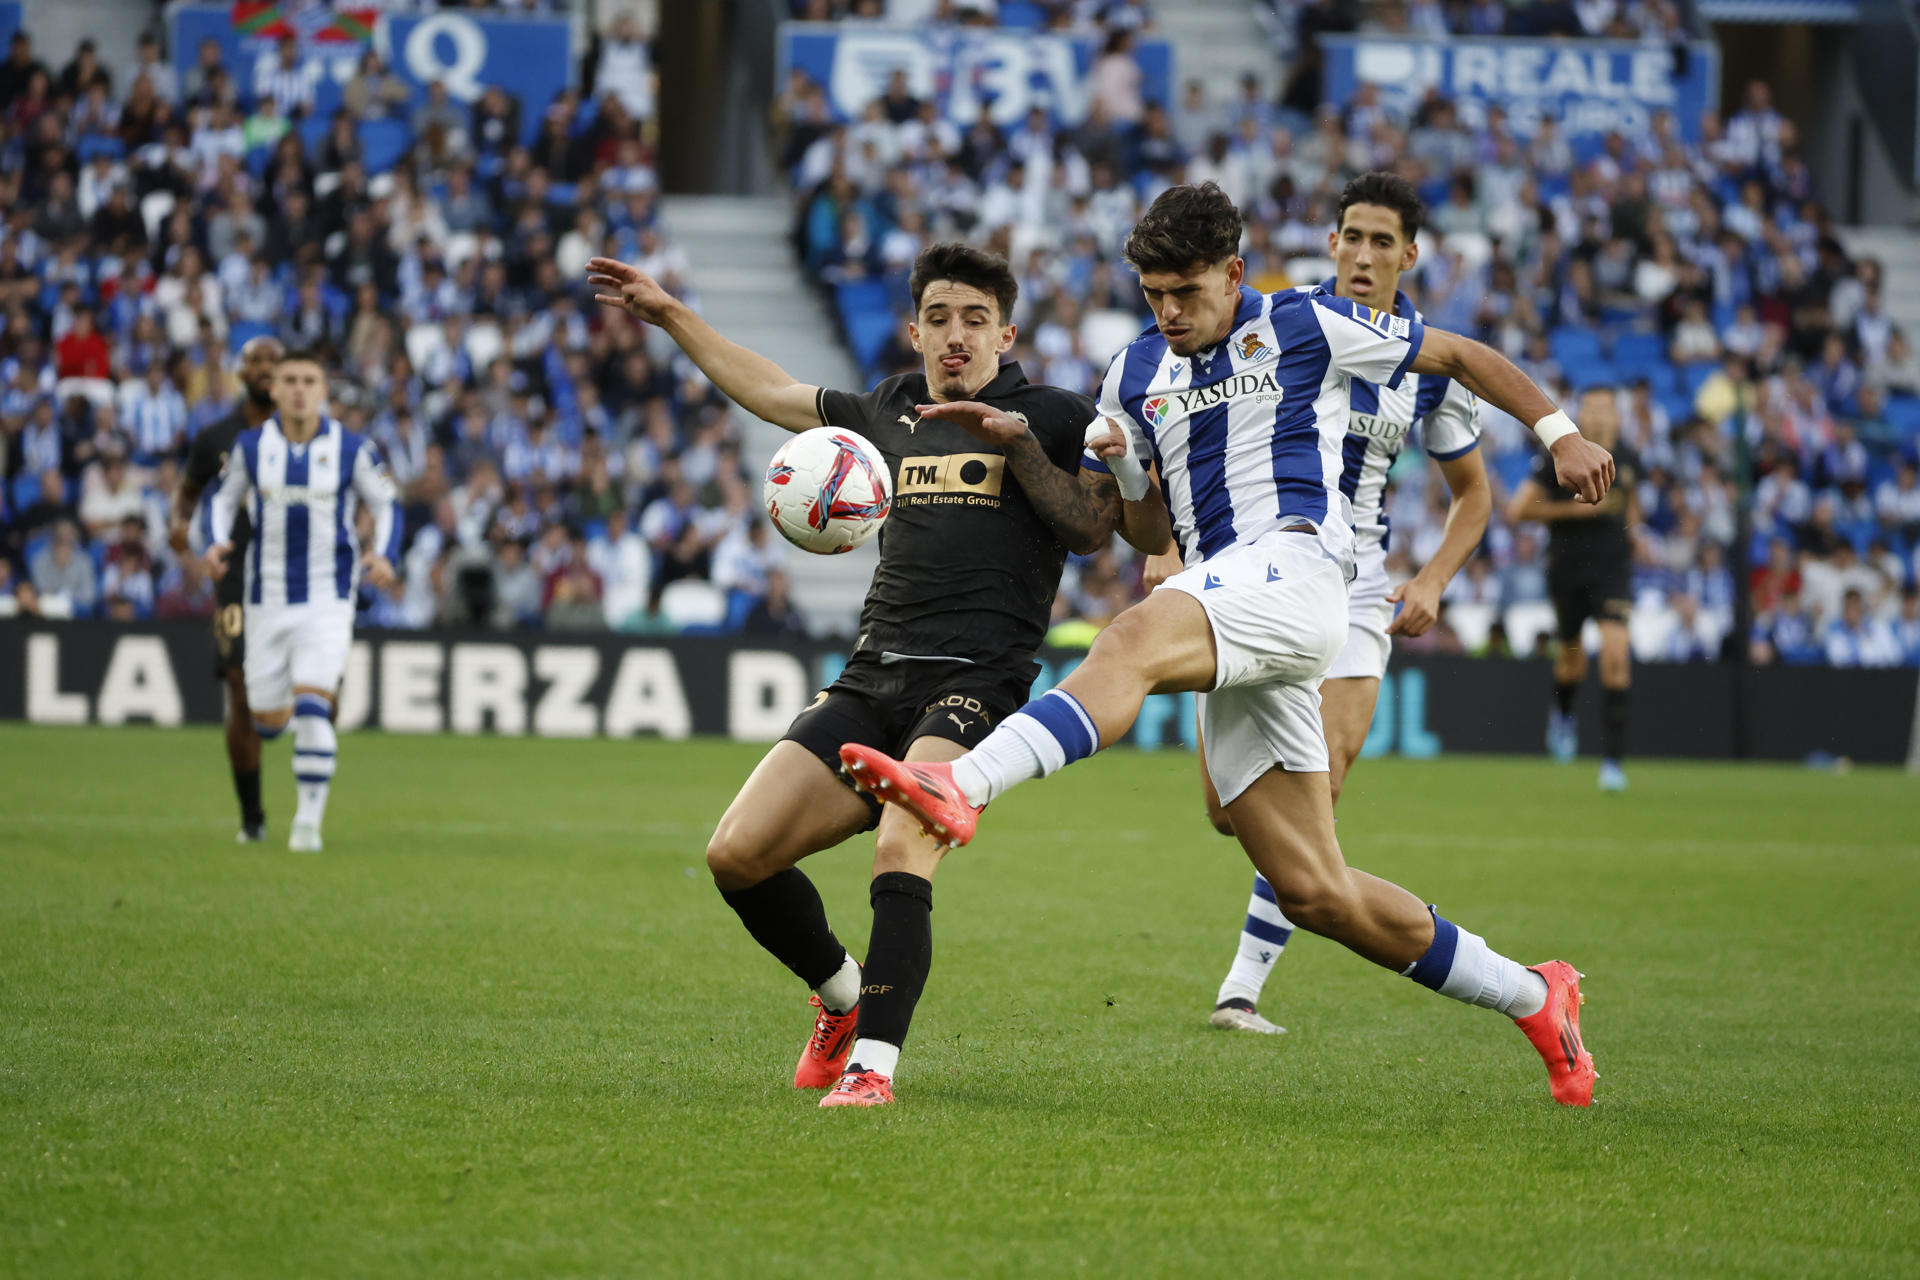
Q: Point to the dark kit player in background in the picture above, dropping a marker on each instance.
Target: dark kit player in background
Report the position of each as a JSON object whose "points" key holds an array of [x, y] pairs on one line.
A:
{"points": [[1589, 575], [970, 559], [205, 459]]}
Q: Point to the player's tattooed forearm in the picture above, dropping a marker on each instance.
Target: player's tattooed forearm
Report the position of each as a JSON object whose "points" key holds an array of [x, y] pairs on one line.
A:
{"points": [[1082, 516]]}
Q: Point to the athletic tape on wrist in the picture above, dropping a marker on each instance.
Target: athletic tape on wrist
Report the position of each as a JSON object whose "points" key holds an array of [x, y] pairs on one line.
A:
{"points": [[1554, 426], [1127, 471]]}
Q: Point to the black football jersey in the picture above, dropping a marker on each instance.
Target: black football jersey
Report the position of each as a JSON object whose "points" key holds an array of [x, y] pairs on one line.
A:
{"points": [[968, 569], [206, 457], [1602, 542]]}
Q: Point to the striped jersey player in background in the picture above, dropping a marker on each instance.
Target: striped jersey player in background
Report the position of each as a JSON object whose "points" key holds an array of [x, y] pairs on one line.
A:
{"points": [[303, 478], [1372, 245], [1240, 401]]}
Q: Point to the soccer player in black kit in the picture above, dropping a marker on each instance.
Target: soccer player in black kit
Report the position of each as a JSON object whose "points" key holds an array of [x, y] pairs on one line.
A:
{"points": [[205, 458], [1589, 575], [970, 559]]}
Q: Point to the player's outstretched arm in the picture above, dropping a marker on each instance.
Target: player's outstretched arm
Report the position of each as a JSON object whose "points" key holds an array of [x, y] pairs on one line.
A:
{"points": [[1419, 597], [1578, 463], [748, 378], [1082, 511]]}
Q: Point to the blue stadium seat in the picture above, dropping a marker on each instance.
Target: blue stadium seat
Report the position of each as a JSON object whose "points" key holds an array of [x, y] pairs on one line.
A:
{"points": [[94, 145], [866, 313], [1636, 354], [26, 492], [1590, 373], [1024, 14], [383, 142], [1694, 375], [1575, 347], [563, 193], [1904, 413], [313, 135], [244, 331]]}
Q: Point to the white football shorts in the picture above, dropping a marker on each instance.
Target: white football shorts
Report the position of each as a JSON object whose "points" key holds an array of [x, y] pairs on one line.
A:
{"points": [[1278, 608], [1369, 614], [296, 644]]}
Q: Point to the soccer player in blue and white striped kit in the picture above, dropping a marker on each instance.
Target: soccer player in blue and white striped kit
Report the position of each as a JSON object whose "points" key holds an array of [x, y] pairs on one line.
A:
{"points": [[1372, 244], [305, 477], [1239, 400]]}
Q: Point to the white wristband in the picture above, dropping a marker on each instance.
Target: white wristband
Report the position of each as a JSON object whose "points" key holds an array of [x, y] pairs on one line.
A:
{"points": [[1553, 427], [1127, 471]]}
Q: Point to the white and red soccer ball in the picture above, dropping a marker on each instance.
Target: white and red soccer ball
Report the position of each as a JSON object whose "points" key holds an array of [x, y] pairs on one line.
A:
{"points": [[827, 490]]}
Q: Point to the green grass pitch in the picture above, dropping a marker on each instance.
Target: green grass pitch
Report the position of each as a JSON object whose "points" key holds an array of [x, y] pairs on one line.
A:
{"points": [[504, 1026]]}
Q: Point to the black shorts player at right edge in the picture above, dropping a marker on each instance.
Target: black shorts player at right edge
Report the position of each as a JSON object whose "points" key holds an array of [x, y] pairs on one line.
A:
{"points": [[984, 513], [1589, 576]]}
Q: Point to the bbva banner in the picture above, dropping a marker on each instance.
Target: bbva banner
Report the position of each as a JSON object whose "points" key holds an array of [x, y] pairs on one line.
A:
{"points": [[1589, 88], [961, 69], [532, 58]]}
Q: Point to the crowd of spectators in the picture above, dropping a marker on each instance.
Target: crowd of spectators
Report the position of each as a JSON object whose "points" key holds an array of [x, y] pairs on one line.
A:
{"points": [[558, 468], [1700, 278]]}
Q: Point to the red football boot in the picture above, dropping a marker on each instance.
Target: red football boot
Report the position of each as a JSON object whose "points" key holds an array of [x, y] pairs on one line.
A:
{"points": [[1555, 1032], [825, 1056], [867, 1089], [924, 789]]}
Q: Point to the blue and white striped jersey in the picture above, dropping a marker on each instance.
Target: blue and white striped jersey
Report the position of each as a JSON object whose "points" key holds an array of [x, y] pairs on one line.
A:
{"points": [[304, 497], [1380, 419], [1250, 434]]}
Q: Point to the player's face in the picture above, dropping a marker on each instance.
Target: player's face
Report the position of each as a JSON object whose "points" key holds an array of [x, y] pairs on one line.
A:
{"points": [[299, 391], [1370, 250], [959, 335], [1193, 309], [1600, 417], [257, 361]]}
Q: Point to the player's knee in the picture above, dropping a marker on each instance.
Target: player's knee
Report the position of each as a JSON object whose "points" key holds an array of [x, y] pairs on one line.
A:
{"points": [[895, 849], [271, 724], [1325, 905], [1125, 643], [735, 858]]}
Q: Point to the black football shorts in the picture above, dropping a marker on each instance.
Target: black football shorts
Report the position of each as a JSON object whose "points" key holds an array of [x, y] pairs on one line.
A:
{"points": [[889, 705], [1603, 593]]}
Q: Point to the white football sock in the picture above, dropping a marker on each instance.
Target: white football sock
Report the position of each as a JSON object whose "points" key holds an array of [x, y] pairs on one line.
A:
{"points": [[1043, 737], [841, 992], [1262, 938], [874, 1055], [315, 745]]}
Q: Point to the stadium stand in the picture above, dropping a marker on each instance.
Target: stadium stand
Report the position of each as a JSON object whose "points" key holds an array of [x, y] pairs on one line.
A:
{"points": [[562, 471]]}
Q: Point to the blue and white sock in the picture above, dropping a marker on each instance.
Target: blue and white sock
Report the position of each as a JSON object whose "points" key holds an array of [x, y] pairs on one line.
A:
{"points": [[1043, 737], [1461, 965], [1262, 938], [314, 748]]}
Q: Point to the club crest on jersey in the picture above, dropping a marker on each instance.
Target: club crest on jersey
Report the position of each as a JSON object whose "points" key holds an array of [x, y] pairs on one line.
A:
{"points": [[1156, 410], [1251, 346]]}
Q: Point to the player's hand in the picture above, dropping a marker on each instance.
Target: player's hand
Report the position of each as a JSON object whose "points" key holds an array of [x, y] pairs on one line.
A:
{"points": [[216, 560], [982, 422], [1158, 569], [177, 535], [1582, 466], [1111, 445], [378, 571], [1419, 602], [630, 289]]}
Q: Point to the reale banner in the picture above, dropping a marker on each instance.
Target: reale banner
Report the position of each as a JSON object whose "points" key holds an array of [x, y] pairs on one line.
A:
{"points": [[1589, 88]]}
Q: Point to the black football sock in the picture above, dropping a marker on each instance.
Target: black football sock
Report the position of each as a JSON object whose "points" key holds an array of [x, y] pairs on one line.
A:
{"points": [[899, 953], [246, 785], [1564, 695], [1613, 732], [785, 915]]}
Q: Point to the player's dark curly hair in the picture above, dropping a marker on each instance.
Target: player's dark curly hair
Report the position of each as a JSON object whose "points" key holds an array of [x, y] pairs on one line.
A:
{"points": [[964, 264], [1186, 227], [1389, 191]]}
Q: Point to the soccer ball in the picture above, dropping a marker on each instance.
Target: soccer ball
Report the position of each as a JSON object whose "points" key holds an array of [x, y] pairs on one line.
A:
{"points": [[827, 490]]}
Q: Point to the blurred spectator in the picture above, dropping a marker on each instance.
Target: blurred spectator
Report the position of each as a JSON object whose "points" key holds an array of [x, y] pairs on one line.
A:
{"points": [[63, 570]]}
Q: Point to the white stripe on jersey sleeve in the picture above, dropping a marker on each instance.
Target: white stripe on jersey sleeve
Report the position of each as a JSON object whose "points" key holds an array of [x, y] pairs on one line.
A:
{"points": [[1453, 427], [1374, 345]]}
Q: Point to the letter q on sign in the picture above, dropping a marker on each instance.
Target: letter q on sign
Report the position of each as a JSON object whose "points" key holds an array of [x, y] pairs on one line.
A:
{"points": [[447, 33]]}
